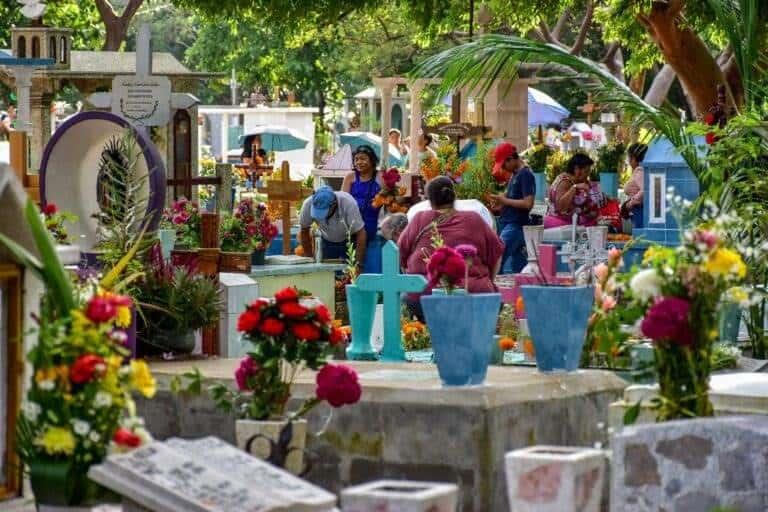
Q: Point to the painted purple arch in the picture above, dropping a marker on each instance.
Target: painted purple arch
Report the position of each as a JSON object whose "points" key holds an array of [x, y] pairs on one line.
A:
{"points": [[154, 162]]}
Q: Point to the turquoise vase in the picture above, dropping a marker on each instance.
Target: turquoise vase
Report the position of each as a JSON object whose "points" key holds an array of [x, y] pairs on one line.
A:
{"points": [[729, 320], [541, 185], [557, 321], [167, 241], [609, 184], [462, 329], [362, 309]]}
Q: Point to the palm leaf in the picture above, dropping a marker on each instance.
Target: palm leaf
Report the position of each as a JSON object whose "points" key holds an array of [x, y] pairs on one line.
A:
{"points": [[478, 64], [23, 256]]}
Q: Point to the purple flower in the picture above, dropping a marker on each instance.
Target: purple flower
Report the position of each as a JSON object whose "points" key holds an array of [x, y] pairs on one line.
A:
{"points": [[247, 369], [467, 251], [667, 320]]}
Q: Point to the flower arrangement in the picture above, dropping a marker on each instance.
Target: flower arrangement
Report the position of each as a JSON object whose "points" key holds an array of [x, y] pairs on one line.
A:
{"points": [[249, 228], [390, 193], [610, 157], [446, 267], [287, 334], [54, 223], [446, 163], [556, 163], [673, 299], [415, 335], [537, 157], [183, 217]]}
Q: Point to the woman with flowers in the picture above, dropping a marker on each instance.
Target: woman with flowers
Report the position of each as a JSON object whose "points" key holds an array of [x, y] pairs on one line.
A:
{"points": [[454, 228], [364, 184], [569, 194]]}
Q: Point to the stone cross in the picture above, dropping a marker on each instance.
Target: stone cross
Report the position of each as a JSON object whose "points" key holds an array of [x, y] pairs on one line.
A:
{"points": [[391, 283], [285, 192]]}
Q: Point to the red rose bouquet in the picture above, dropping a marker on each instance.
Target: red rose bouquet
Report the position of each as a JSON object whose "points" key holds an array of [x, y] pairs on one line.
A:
{"points": [[390, 193], [447, 268], [287, 334]]}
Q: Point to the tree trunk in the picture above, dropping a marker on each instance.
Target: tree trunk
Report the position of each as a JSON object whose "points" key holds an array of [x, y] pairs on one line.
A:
{"points": [[686, 53], [116, 27], [660, 86]]}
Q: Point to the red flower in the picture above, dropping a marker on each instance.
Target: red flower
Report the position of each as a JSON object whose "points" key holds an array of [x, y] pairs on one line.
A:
{"points": [[251, 229], [306, 331], [248, 320], [323, 314], [86, 368], [338, 384], [446, 264], [247, 369], [50, 209], [287, 295], [337, 336], [259, 304], [710, 138], [709, 118], [100, 310], [125, 437], [272, 327], [390, 178], [667, 320], [293, 310]]}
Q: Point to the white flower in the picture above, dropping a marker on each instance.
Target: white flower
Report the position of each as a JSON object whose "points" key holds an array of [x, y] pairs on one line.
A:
{"points": [[94, 436], [31, 411], [102, 399], [46, 385], [81, 427], [646, 284]]}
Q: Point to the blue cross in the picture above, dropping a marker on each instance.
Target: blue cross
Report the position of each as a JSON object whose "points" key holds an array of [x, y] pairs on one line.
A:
{"points": [[391, 283]]}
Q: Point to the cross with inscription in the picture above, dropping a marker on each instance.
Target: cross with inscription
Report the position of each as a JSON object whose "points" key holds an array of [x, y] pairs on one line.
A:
{"points": [[285, 192], [391, 283]]}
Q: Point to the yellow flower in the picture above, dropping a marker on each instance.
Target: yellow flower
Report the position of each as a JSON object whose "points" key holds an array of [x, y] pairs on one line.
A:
{"points": [[114, 363], [142, 379], [654, 253], [725, 261], [44, 374], [57, 440], [124, 316]]}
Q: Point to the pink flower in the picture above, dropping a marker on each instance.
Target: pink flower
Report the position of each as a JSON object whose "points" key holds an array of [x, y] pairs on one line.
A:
{"points": [[179, 218], [601, 272], [614, 257], [251, 229], [390, 178], [708, 238], [467, 251], [247, 369], [667, 320], [609, 302], [446, 265], [338, 384], [100, 310]]}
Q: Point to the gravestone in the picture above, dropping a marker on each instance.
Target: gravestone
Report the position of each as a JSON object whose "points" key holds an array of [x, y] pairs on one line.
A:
{"points": [[237, 290], [205, 475], [391, 283], [691, 465]]}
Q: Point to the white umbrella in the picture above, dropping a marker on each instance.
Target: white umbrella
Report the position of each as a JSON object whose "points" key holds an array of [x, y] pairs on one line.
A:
{"points": [[341, 160]]}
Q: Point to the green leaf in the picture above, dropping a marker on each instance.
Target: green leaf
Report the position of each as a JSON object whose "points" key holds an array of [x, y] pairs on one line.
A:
{"points": [[23, 256], [632, 413]]}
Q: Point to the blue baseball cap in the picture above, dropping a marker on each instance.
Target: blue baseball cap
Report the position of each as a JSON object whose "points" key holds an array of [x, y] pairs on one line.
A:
{"points": [[322, 200]]}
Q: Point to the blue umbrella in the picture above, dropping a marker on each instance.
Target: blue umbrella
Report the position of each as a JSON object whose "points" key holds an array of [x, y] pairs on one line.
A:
{"points": [[357, 139], [543, 110], [275, 138]]}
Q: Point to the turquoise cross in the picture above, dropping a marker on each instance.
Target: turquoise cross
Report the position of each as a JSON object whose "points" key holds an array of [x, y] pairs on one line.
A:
{"points": [[391, 283]]}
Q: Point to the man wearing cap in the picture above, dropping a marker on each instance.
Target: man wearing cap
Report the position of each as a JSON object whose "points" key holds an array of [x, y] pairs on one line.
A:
{"points": [[338, 219], [516, 204]]}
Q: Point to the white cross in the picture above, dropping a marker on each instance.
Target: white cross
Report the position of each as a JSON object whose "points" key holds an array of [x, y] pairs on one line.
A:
{"points": [[143, 98]]}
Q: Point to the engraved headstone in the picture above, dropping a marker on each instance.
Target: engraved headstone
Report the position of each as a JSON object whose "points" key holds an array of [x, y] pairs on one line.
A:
{"points": [[206, 475]]}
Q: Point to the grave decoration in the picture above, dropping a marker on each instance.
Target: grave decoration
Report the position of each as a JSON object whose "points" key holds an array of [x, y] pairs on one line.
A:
{"points": [[462, 325], [205, 475], [391, 196], [184, 220], [390, 283], [248, 230], [446, 162], [175, 301], [286, 334], [675, 298], [284, 192], [55, 222], [79, 403], [401, 495], [536, 157], [610, 162]]}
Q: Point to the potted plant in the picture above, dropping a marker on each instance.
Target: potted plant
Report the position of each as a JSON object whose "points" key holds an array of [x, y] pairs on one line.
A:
{"points": [[675, 298], [286, 334], [78, 405], [175, 302], [461, 326], [54, 222], [184, 217], [537, 160], [610, 159]]}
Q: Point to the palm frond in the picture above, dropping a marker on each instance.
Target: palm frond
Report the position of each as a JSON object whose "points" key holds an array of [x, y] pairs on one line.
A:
{"points": [[478, 64]]}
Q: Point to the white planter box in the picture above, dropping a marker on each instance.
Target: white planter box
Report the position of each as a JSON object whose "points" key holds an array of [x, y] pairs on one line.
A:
{"points": [[246, 429], [555, 479], [400, 496]]}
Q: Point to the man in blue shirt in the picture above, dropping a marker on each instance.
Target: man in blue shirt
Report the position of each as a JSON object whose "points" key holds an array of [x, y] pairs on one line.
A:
{"points": [[516, 204]]}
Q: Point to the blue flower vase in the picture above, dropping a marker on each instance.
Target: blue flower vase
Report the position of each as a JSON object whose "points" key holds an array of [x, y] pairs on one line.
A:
{"points": [[609, 184], [167, 242], [557, 322], [362, 309], [541, 185], [729, 320], [461, 328]]}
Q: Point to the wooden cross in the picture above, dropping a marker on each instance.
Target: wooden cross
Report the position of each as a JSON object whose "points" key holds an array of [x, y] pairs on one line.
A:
{"points": [[285, 192], [589, 108], [391, 283]]}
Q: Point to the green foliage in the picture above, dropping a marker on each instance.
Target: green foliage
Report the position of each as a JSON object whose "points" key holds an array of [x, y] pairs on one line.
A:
{"points": [[477, 181], [537, 157], [610, 157]]}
